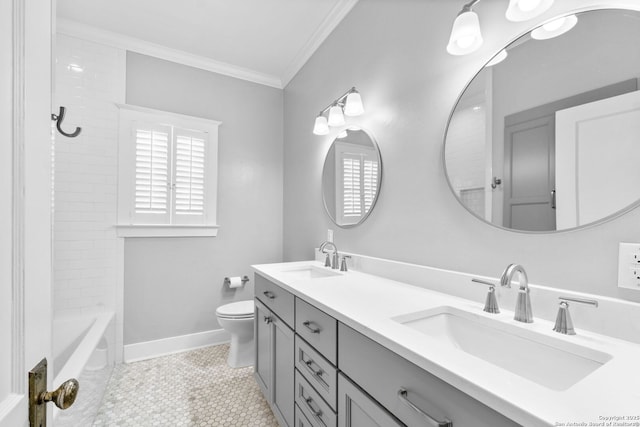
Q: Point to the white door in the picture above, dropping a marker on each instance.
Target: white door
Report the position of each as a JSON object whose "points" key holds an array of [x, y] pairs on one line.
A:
{"points": [[25, 195], [597, 152]]}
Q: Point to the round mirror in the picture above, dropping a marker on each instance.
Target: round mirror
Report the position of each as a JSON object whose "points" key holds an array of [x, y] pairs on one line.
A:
{"points": [[548, 138], [351, 177]]}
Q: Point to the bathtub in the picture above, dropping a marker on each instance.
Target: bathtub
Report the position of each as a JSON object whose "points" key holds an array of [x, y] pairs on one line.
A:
{"points": [[83, 348]]}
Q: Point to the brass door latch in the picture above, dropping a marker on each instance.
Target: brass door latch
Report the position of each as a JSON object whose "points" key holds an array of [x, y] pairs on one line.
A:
{"points": [[63, 396]]}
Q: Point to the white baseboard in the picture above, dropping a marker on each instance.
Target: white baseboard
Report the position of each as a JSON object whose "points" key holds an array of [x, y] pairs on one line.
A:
{"points": [[150, 349]]}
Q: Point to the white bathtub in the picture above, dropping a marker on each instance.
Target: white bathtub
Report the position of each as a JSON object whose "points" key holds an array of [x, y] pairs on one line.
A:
{"points": [[83, 348]]}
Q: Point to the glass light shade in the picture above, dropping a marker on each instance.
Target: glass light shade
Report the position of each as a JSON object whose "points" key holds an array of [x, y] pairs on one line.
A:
{"points": [[501, 56], [465, 34], [321, 127], [353, 105], [555, 28], [336, 118], [523, 10]]}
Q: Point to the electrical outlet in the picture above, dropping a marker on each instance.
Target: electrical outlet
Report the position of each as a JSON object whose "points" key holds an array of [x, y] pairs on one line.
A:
{"points": [[629, 266]]}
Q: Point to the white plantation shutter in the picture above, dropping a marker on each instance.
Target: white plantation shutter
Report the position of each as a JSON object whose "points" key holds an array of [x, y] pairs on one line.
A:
{"points": [[189, 175], [351, 187], [357, 183], [151, 193], [369, 183]]}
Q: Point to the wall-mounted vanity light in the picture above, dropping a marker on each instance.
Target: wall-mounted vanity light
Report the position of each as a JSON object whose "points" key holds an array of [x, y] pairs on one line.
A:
{"points": [[350, 104], [466, 36]]}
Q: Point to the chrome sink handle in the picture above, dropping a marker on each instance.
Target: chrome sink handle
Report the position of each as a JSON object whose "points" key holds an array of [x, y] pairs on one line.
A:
{"points": [[564, 324], [491, 303], [523, 312]]}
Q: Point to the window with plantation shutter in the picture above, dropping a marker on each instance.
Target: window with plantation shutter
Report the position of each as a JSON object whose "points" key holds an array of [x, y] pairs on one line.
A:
{"points": [[351, 194], [357, 182], [151, 197], [189, 169], [369, 183], [168, 174]]}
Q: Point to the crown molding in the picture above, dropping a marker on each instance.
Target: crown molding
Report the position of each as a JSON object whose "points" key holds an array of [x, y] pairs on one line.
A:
{"points": [[335, 16], [86, 32]]}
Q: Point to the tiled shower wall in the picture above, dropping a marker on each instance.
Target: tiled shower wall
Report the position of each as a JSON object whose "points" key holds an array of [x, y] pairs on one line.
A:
{"points": [[89, 81]]}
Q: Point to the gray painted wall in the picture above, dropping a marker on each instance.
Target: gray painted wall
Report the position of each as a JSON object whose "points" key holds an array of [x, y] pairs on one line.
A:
{"points": [[174, 285], [394, 53]]}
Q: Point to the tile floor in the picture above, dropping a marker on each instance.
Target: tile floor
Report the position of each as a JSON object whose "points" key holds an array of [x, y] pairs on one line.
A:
{"points": [[195, 388]]}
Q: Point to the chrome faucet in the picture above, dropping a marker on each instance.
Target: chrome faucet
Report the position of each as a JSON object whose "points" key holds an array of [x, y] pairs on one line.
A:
{"points": [[334, 259], [523, 305]]}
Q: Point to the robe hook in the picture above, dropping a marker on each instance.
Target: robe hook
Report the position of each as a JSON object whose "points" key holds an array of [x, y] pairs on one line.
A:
{"points": [[59, 118]]}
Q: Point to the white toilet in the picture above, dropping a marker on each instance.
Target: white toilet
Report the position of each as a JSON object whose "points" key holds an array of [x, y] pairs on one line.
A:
{"points": [[237, 319]]}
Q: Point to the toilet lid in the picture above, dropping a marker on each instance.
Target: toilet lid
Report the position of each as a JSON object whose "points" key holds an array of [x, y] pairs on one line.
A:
{"points": [[240, 309]]}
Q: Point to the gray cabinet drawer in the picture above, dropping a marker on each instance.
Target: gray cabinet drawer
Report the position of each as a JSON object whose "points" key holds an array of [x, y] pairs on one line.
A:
{"points": [[316, 410], [356, 409], [301, 419], [317, 370], [318, 329], [277, 299], [383, 373]]}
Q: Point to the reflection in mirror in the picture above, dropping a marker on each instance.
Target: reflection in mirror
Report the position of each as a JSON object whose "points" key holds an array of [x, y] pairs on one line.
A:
{"points": [[351, 177], [549, 138]]}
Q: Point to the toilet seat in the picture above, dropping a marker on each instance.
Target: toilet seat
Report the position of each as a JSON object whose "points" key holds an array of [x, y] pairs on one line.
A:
{"points": [[236, 310]]}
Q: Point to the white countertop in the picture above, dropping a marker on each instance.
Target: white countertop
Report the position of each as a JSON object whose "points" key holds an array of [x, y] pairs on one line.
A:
{"points": [[367, 303]]}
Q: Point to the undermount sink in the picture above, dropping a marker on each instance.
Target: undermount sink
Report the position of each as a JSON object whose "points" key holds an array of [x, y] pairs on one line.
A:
{"points": [[308, 272], [547, 361]]}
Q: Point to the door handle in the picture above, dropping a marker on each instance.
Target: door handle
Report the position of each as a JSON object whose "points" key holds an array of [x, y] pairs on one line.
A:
{"points": [[553, 199], [63, 396]]}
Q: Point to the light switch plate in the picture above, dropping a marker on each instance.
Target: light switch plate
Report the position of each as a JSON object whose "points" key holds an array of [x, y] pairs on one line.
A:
{"points": [[330, 235], [629, 266]]}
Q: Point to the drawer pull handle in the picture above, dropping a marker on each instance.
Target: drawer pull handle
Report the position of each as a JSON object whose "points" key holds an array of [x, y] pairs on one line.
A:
{"points": [[315, 412], [267, 319], [313, 330], [402, 395], [317, 373], [269, 294]]}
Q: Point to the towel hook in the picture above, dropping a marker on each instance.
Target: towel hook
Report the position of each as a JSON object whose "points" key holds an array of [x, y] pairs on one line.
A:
{"points": [[59, 118]]}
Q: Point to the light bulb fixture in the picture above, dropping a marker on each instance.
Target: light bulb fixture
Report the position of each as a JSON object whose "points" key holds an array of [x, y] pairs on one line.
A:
{"points": [[353, 105], [523, 10], [321, 127], [349, 103], [500, 56], [336, 116], [465, 34], [555, 28]]}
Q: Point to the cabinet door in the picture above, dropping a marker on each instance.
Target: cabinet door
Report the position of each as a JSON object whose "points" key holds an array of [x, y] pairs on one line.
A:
{"points": [[283, 371], [262, 334], [356, 409]]}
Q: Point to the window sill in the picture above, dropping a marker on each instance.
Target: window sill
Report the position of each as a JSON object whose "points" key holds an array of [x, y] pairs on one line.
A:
{"points": [[127, 230]]}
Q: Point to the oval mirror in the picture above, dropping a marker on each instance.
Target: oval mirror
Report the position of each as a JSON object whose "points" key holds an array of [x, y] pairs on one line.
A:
{"points": [[549, 138], [351, 177]]}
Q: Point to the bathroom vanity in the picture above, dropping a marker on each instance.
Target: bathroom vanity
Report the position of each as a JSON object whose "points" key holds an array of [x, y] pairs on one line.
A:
{"points": [[355, 349]]}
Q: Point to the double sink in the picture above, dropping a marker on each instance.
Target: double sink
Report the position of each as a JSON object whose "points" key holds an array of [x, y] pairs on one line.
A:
{"points": [[554, 363]]}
